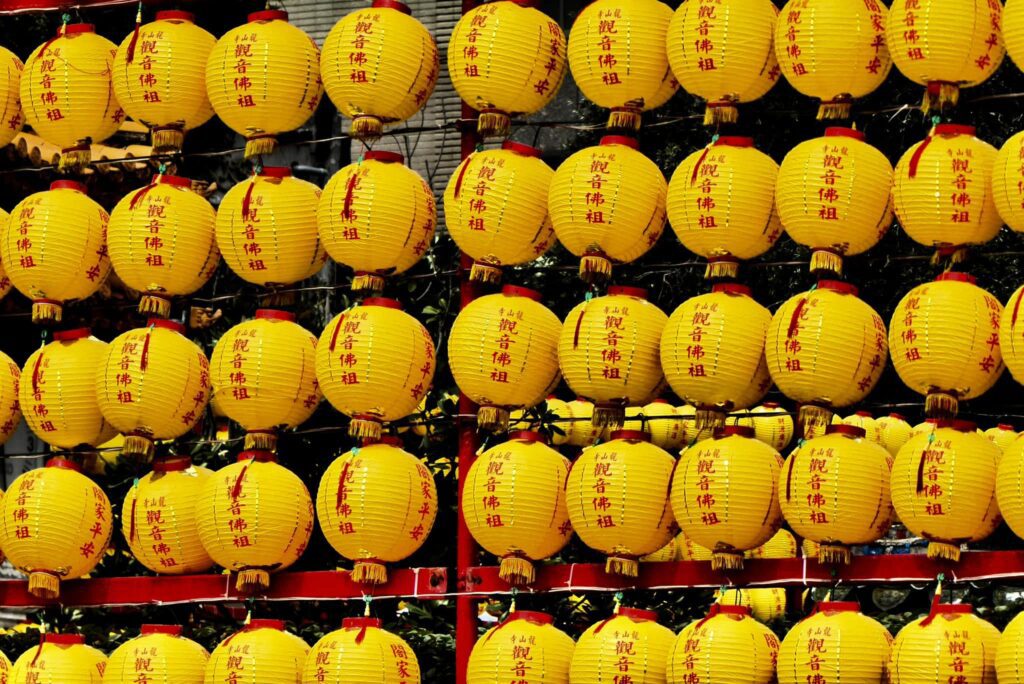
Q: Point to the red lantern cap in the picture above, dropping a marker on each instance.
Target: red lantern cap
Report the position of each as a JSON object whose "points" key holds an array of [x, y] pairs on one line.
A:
{"points": [[631, 435], [383, 301], [276, 172], [392, 4], [264, 623], [360, 622], [864, 414], [957, 277], [274, 315], [534, 616], [638, 614], [731, 288], [176, 181], [632, 143], [257, 455], [520, 149], [517, 291], [384, 157], [530, 436], [963, 425], [638, 292], [843, 132], [64, 463], [64, 639], [67, 185], [954, 609], [172, 465], [838, 286], [854, 431], [954, 129], [71, 335], [738, 430], [898, 416], [72, 29], [176, 326], [268, 15], [735, 141], [171, 630], [771, 404], [839, 607], [527, 3], [733, 610], [388, 440], [1006, 426], [175, 15]]}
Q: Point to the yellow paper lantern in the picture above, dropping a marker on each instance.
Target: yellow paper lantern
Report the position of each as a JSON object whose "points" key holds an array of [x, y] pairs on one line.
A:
{"points": [[773, 425], [833, 51], [944, 487], [945, 45], [895, 432], [1008, 654], [1011, 335], [55, 248], [361, 651], [618, 58], [835, 491], [267, 229], [580, 430], [58, 395], [836, 642], [1002, 435], [263, 376], [728, 646], [503, 353], [865, 421], [663, 425], [162, 242], [629, 646], [57, 525], [942, 191], [689, 550], [255, 518], [10, 408], [515, 504], [712, 348], [375, 363], [826, 349], [608, 351], [377, 217], [261, 653], [263, 79], [781, 545], [721, 204], [949, 644], [1013, 30], [607, 204], [723, 496], [153, 384], [928, 426], [159, 655], [526, 645], [722, 51], [159, 77], [5, 663], [1008, 492], [371, 530], [496, 208], [617, 494], [12, 118], [833, 196], [60, 659], [379, 66], [1008, 181], [159, 519], [766, 605], [506, 58], [68, 95], [666, 554], [945, 339]]}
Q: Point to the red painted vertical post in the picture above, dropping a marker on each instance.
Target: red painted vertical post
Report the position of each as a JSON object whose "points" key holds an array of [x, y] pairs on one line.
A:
{"points": [[466, 549]]}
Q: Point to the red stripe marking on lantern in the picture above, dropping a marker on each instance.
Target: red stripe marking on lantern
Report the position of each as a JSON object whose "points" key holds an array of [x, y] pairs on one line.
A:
{"points": [[341, 486], [916, 158], [236, 491], [144, 361], [247, 200], [462, 174]]}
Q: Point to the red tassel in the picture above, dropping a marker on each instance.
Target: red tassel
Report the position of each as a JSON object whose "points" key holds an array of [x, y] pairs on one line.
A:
{"points": [[135, 35], [341, 485], [247, 200], [789, 473], [236, 491], [138, 197], [131, 532], [696, 167], [361, 635], [1016, 309], [346, 212], [920, 471], [716, 608], [337, 329], [934, 611], [916, 159], [144, 361], [576, 335], [42, 638], [35, 374], [462, 174], [794, 322]]}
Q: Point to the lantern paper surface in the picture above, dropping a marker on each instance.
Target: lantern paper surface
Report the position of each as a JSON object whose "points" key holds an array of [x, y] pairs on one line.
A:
{"points": [[261, 653], [765, 604], [10, 408], [60, 659], [267, 229], [1002, 436], [515, 504], [630, 643], [772, 425], [159, 77], [526, 644], [726, 647], [581, 431], [1008, 491], [954, 643], [1011, 335], [12, 118], [1008, 182], [1013, 30], [781, 545], [865, 421], [1008, 653], [361, 652], [159, 655], [836, 642], [663, 425], [895, 432]]}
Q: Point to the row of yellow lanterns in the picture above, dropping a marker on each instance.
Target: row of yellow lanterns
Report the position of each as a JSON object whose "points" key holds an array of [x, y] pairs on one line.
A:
{"points": [[262, 651]]}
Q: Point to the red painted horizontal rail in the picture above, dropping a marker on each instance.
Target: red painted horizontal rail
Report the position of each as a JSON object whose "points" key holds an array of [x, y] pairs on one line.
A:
{"points": [[326, 585], [787, 572]]}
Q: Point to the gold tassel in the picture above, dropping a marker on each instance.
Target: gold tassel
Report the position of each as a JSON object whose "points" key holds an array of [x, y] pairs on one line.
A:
{"points": [[726, 560], [365, 428], [959, 255], [721, 268], [813, 420], [517, 570], [252, 581], [950, 552], [74, 158], [367, 282], [138, 445], [369, 572], [625, 119], [627, 567], [941, 405], [155, 305], [482, 272], [595, 268], [168, 139], [939, 95], [826, 261], [264, 440], [833, 554], [259, 145], [608, 415], [44, 585], [45, 311], [366, 127], [492, 418], [840, 108], [494, 124], [723, 112]]}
